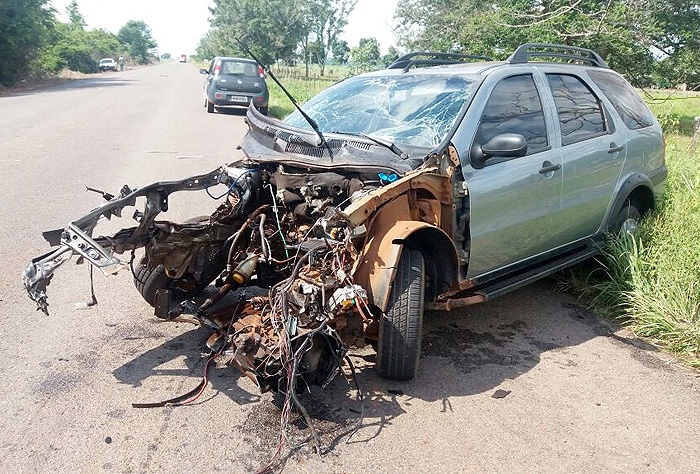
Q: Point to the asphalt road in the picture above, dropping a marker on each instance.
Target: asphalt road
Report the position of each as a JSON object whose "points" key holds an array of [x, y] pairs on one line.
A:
{"points": [[580, 396]]}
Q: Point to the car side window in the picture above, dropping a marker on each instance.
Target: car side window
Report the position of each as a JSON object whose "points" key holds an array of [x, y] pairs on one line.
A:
{"points": [[632, 110], [514, 107], [580, 112]]}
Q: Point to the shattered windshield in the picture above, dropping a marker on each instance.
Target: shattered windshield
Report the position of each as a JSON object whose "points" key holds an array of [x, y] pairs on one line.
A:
{"points": [[416, 110]]}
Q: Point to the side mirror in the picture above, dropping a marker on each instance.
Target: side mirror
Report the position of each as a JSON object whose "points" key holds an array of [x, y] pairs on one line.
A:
{"points": [[203, 71], [505, 145]]}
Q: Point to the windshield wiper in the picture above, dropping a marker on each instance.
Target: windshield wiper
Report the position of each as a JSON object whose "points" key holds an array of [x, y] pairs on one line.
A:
{"points": [[306, 116], [379, 141]]}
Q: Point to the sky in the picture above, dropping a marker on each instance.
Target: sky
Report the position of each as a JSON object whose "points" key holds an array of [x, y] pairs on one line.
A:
{"points": [[178, 26]]}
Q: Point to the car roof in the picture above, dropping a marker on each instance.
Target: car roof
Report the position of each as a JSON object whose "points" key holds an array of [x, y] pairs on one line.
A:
{"points": [[528, 54], [228, 58]]}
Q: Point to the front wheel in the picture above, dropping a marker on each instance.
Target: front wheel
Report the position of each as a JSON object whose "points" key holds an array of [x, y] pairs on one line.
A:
{"points": [[400, 331], [149, 281]]}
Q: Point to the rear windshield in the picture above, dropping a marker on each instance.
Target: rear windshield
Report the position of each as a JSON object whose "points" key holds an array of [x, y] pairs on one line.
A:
{"points": [[239, 68], [415, 109]]}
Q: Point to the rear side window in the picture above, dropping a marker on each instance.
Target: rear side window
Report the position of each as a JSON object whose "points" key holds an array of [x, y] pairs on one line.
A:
{"points": [[580, 111], [240, 68], [514, 107], [631, 108]]}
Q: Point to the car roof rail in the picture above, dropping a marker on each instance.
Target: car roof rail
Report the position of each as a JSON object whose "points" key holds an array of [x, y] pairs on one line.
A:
{"points": [[561, 51], [431, 58]]}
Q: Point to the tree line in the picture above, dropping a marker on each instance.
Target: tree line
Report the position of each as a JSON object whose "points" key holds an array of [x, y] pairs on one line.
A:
{"points": [[34, 42], [652, 42], [278, 30]]}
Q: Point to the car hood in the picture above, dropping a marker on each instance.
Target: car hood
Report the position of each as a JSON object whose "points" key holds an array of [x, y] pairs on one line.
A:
{"points": [[270, 140]]}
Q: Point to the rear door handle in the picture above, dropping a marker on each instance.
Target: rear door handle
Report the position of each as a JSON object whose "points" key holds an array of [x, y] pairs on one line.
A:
{"points": [[548, 167], [614, 148]]}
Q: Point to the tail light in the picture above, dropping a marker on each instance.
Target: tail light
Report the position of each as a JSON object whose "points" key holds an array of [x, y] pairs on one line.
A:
{"points": [[217, 67], [261, 71]]}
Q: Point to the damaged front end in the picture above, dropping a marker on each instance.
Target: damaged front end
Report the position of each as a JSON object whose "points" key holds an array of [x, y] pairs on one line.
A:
{"points": [[319, 229]]}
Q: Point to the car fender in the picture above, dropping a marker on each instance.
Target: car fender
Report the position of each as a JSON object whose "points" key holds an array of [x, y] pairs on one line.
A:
{"points": [[386, 239], [416, 210]]}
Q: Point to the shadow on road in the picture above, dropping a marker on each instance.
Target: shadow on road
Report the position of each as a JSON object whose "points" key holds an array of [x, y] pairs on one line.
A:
{"points": [[239, 111], [73, 84], [464, 353], [190, 344]]}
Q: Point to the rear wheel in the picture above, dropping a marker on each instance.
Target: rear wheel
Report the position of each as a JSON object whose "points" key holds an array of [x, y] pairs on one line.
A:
{"points": [[627, 219], [210, 106], [263, 110], [398, 350]]}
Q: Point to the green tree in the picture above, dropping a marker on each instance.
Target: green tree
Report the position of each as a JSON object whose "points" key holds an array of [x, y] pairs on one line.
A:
{"points": [[135, 36], [329, 19], [341, 51], [25, 26], [74, 48], [630, 34], [271, 28], [78, 50], [77, 20], [391, 55], [366, 54]]}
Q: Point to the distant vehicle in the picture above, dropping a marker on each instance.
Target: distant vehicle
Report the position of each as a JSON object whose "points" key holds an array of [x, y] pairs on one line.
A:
{"points": [[183, 58], [235, 82], [107, 64]]}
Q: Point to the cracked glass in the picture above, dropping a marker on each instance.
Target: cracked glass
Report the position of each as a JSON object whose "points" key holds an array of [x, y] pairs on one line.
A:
{"points": [[413, 109]]}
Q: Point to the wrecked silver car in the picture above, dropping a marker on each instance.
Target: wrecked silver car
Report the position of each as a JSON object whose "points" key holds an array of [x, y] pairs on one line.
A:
{"points": [[391, 192]]}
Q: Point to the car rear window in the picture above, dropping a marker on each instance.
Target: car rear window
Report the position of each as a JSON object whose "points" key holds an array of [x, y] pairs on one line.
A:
{"points": [[239, 68], [631, 108]]}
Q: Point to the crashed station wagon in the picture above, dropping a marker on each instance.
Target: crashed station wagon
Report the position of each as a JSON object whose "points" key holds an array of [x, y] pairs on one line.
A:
{"points": [[392, 192]]}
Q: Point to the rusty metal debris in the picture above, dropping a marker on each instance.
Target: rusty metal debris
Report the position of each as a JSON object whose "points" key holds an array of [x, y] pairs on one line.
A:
{"points": [[322, 240]]}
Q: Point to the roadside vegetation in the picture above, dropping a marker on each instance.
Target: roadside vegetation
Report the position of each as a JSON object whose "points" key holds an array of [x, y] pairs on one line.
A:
{"points": [[651, 281], [301, 87], [35, 45]]}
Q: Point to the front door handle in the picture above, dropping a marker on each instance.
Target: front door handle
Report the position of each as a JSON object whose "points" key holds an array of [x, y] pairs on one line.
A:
{"points": [[614, 148], [548, 167]]}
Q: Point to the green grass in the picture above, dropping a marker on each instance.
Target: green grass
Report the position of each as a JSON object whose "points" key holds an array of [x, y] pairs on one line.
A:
{"points": [[300, 87], [674, 109], [652, 281]]}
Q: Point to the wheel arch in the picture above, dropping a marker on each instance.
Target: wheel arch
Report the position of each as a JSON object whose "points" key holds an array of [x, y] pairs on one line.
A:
{"points": [[380, 259], [639, 190]]}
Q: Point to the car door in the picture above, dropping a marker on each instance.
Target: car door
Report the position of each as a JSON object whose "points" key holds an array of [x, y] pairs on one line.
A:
{"points": [[512, 201], [593, 152]]}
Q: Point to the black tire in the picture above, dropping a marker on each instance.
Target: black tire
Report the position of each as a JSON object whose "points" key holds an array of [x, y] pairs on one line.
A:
{"points": [[210, 106], [398, 350], [147, 281], [263, 110], [627, 219]]}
